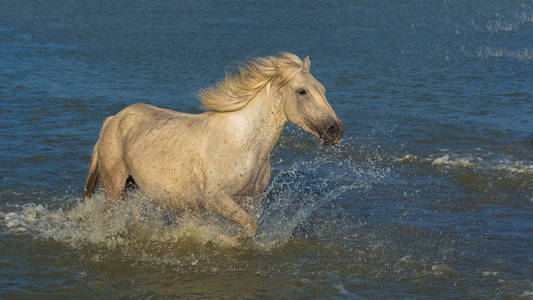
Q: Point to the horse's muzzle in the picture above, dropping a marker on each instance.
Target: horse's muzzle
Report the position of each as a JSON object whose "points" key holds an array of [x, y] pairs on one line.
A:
{"points": [[333, 133]]}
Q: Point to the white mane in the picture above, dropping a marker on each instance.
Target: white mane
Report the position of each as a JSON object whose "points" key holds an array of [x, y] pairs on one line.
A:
{"points": [[235, 91]]}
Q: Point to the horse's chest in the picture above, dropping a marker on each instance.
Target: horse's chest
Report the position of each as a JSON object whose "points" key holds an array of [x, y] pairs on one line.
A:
{"points": [[252, 179]]}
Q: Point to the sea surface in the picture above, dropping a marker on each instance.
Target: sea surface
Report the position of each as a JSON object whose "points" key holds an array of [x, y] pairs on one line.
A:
{"points": [[429, 194]]}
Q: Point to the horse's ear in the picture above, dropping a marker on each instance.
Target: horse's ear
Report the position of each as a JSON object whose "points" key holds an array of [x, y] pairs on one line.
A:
{"points": [[307, 64]]}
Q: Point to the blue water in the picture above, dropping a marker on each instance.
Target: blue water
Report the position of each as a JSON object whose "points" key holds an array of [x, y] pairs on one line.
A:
{"points": [[430, 193]]}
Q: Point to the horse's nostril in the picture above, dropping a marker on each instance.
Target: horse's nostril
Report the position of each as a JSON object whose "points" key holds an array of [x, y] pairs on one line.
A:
{"points": [[332, 130]]}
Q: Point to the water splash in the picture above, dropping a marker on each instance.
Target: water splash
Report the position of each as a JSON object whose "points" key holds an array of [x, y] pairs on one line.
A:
{"points": [[299, 189], [304, 188], [132, 220]]}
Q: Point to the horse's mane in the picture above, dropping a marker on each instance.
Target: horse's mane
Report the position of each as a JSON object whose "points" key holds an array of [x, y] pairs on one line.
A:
{"points": [[236, 90]]}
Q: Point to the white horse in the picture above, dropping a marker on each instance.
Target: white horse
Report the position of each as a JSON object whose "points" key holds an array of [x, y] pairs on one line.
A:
{"points": [[215, 159]]}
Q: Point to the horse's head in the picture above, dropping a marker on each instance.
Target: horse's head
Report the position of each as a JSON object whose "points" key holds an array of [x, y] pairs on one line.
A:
{"points": [[305, 105]]}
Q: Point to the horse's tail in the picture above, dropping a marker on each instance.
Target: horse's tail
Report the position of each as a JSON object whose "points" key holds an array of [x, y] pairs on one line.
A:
{"points": [[94, 169], [94, 174]]}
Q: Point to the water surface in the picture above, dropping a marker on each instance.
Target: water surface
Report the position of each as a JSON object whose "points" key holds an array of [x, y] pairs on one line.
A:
{"points": [[430, 194]]}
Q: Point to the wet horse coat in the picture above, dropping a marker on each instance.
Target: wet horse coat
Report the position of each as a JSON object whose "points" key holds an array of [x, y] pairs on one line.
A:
{"points": [[215, 159]]}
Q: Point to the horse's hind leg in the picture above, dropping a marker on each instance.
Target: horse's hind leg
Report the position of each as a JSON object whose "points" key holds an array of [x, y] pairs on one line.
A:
{"points": [[114, 182], [113, 169], [114, 175]]}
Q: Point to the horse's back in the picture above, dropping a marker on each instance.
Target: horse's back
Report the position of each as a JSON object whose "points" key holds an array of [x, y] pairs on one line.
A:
{"points": [[140, 119], [145, 112]]}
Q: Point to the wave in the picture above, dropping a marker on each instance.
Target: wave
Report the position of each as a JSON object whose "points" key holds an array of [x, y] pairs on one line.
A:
{"points": [[484, 53], [501, 24], [507, 165]]}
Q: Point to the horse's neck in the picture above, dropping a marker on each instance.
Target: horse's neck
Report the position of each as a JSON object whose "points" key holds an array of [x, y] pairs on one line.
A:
{"points": [[260, 122]]}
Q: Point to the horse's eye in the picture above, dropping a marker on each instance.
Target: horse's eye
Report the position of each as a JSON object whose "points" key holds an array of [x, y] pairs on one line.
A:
{"points": [[302, 92]]}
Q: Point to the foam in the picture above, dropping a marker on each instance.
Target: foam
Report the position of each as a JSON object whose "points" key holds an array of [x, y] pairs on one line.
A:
{"points": [[489, 273], [441, 269], [500, 24], [458, 162], [526, 294], [518, 167], [520, 54], [407, 158]]}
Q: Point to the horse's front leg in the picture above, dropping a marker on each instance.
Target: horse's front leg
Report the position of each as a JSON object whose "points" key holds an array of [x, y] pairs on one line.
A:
{"points": [[225, 206]]}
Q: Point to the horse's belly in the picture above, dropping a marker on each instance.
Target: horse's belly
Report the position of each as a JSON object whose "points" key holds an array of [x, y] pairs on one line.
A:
{"points": [[173, 196], [171, 185]]}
